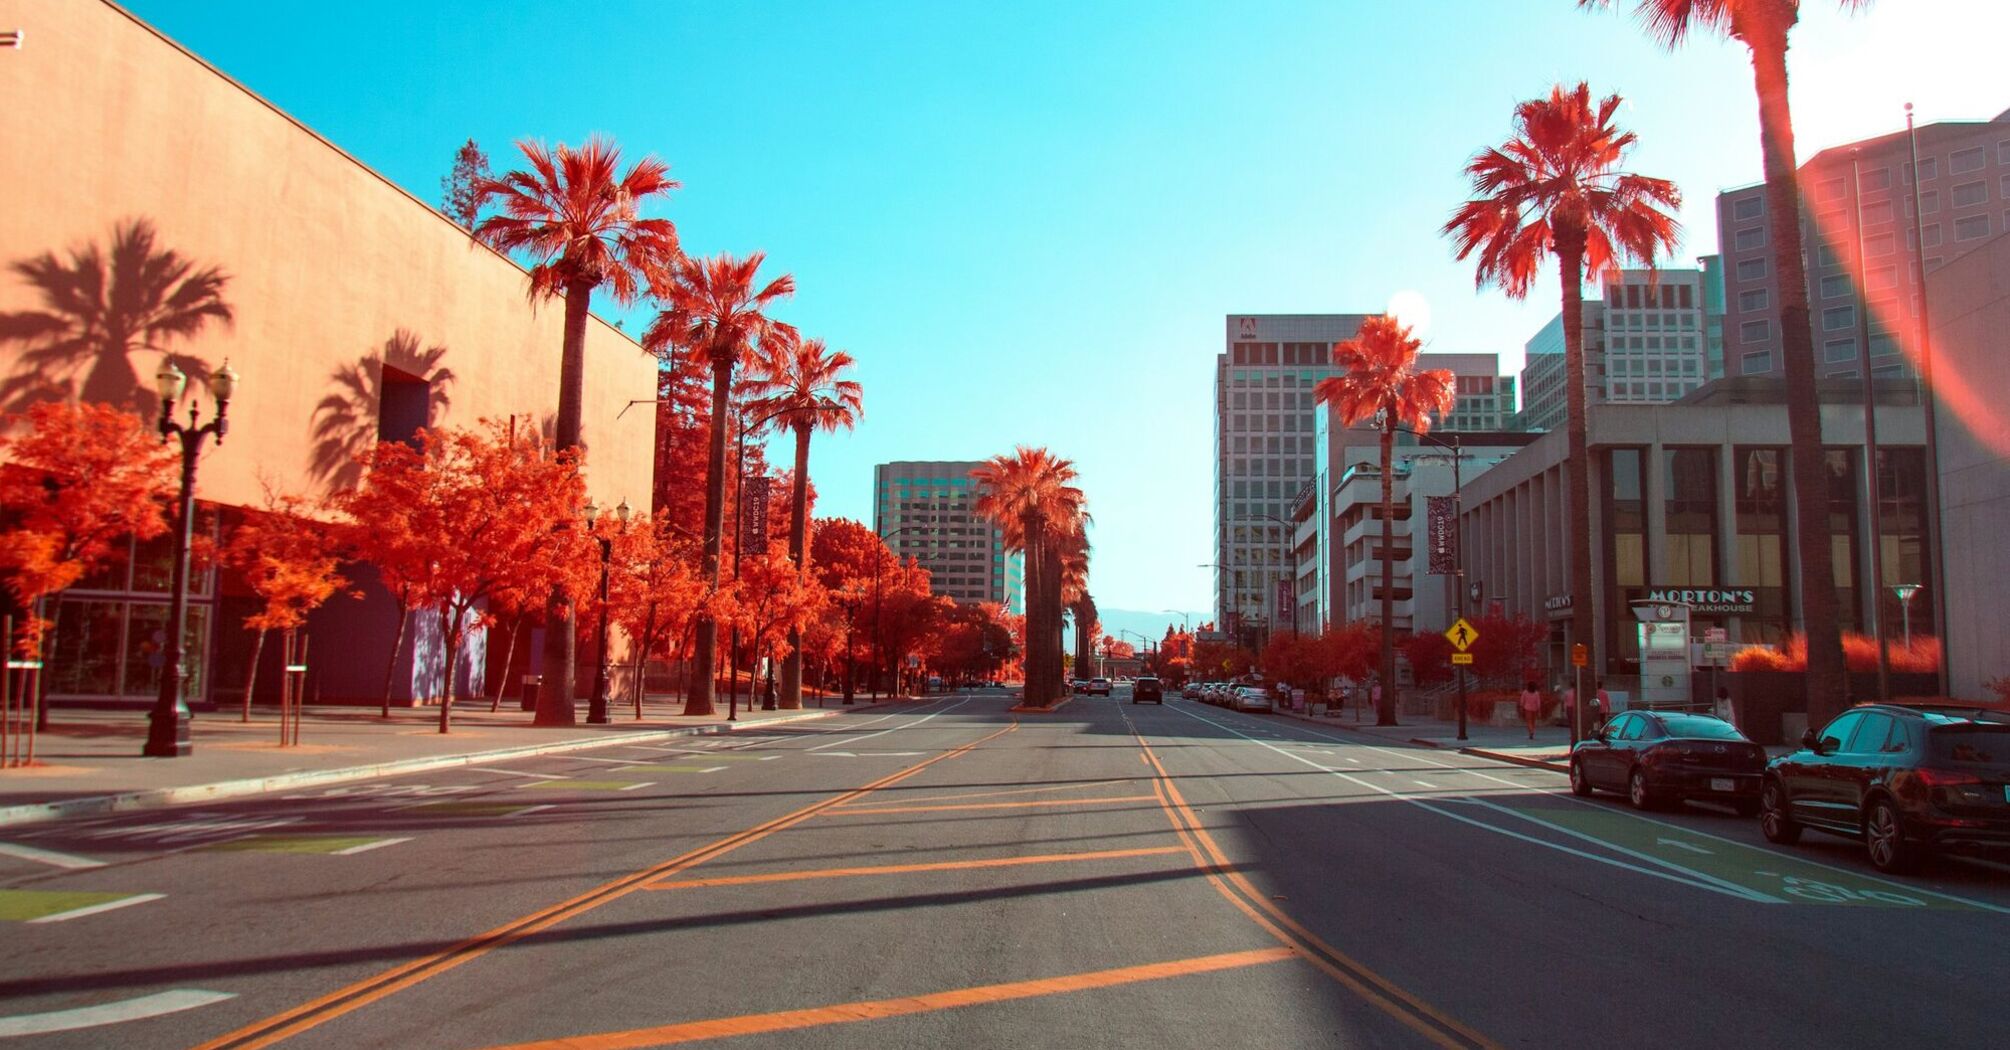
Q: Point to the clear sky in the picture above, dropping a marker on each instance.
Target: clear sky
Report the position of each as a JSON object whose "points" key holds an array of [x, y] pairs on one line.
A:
{"points": [[1028, 220]]}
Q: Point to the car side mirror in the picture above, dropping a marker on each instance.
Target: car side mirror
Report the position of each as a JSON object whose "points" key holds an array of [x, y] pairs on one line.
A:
{"points": [[1811, 742]]}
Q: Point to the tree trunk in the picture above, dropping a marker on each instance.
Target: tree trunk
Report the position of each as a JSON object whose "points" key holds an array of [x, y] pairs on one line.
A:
{"points": [[509, 657], [1050, 563], [699, 700], [555, 700], [1385, 712], [642, 647], [1570, 266], [251, 677], [792, 665], [451, 635], [391, 669], [1827, 685]]}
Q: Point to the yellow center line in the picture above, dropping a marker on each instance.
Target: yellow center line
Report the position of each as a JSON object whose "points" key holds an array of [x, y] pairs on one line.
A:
{"points": [[856, 811], [994, 794], [902, 869], [877, 1009], [352, 997]]}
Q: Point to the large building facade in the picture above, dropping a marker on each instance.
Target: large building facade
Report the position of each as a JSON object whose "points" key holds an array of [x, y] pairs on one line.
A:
{"points": [[925, 509], [360, 314], [1963, 190], [1648, 339]]}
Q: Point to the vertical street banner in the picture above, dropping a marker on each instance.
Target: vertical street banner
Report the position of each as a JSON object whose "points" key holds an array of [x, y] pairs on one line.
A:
{"points": [[754, 514], [1287, 599], [1441, 517]]}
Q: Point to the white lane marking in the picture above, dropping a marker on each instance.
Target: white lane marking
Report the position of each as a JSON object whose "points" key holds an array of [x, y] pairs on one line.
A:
{"points": [[368, 846], [49, 856], [1679, 844], [529, 809], [1424, 783], [606, 761], [652, 783], [1740, 893], [94, 909], [110, 1013], [870, 754], [895, 729], [514, 773]]}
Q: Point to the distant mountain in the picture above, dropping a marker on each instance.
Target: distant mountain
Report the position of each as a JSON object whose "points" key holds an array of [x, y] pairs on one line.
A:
{"points": [[1150, 624]]}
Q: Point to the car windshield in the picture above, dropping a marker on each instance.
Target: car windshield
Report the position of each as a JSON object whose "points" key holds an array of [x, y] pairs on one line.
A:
{"points": [[1971, 743], [1700, 727]]}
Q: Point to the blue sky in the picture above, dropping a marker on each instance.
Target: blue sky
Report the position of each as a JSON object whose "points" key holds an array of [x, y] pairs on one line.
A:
{"points": [[1028, 220]]}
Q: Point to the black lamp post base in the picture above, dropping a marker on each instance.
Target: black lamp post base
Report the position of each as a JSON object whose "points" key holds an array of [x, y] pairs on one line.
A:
{"points": [[596, 714], [167, 735]]}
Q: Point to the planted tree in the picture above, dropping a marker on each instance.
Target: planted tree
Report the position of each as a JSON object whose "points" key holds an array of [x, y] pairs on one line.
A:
{"points": [[292, 562], [653, 590], [1029, 496], [1379, 379], [578, 217]]}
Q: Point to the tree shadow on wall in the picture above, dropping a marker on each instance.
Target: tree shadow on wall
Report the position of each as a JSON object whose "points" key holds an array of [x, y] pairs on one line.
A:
{"points": [[386, 395], [100, 307]]}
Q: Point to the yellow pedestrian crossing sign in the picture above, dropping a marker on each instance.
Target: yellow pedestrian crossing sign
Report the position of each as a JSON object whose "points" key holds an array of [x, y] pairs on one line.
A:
{"points": [[1462, 635]]}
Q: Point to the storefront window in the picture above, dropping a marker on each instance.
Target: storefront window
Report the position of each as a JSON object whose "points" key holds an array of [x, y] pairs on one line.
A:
{"points": [[1760, 505], [1902, 486], [1691, 516], [1843, 485]]}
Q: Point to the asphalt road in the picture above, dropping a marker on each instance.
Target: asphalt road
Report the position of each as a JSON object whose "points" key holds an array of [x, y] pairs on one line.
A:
{"points": [[1113, 875]]}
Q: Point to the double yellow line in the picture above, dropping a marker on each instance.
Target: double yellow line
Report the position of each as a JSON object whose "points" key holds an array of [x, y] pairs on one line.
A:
{"points": [[362, 993]]}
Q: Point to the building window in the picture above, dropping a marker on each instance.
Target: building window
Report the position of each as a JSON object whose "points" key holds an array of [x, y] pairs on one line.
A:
{"points": [[1962, 161], [1835, 286], [2003, 152], [1931, 235], [1755, 331], [1842, 468], [1970, 194], [1929, 202], [1883, 278], [1971, 228], [1827, 255], [1838, 318], [1836, 351], [1828, 189], [1756, 299], [1752, 270], [1882, 244], [1749, 207], [1757, 363], [1690, 516], [1759, 503], [1879, 179], [1929, 168], [1744, 240], [1877, 213]]}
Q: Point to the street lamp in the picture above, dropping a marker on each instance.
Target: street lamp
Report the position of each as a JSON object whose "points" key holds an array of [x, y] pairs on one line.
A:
{"points": [[1459, 569], [1905, 591], [596, 709], [167, 725]]}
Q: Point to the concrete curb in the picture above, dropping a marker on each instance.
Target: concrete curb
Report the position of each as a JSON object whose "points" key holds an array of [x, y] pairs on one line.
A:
{"points": [[1476, 752], [1517, 760], [154, 798]]}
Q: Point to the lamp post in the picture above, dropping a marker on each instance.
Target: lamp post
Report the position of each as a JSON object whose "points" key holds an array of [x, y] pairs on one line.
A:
{"points": [[1459, 530], [1905, 591], [167, 724], [739, 535], [596, 709]]}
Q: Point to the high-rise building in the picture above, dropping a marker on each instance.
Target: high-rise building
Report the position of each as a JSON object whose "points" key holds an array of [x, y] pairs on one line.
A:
{"points": [[1646, 341], [1263, 453], [1964, 198], [925, 509], [1542, 386], [1485, 397]]}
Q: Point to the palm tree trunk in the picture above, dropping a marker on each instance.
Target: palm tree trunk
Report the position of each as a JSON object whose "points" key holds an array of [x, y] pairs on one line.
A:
{"points": [[391, 669], [251, 677], [555, 702], [699, 702], [1050, 565], [1385, 712], [792, 665], [1570, 266], [1820, 613]]}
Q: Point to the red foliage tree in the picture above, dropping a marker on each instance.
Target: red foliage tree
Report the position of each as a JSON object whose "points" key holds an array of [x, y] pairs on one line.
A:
{"points": [[77, 480], [843, 555], [292, 561], [484, 516], [769, 599], [1430, 656], [652, 589], [1507, 650]]}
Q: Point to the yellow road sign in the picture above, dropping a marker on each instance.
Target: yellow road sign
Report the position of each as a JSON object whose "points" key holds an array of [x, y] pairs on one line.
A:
{"points": [[1462, 658], [1462, 635]]}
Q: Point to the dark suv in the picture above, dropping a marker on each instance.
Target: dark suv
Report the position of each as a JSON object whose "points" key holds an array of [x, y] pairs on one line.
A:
{"points": [[1147, 689], [1908, 781]]}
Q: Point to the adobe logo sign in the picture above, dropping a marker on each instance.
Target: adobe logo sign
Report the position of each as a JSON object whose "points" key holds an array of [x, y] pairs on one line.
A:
{"points": [[1245, 329]]}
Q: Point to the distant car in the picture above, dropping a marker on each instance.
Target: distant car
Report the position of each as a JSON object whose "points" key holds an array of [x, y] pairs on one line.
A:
{"points": [[1251, 698], [1080, 685], [1909, 781], [1657, 758], [1190, 691], [1099, 686], [1145, 690]]}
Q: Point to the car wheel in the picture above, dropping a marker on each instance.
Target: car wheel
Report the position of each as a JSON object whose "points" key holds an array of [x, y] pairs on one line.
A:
{"points": [[1774, 820], [1580, 784], [1745, 807], [1884, 838], [1637, 791]]}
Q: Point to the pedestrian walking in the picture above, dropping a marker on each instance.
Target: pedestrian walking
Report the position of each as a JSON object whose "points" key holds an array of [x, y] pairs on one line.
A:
{"points": [[1602, 706], [1569, 706], [1531, 705]]}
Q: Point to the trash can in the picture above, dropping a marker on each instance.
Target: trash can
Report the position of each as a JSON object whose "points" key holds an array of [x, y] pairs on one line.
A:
{"points": [[530, 685]]}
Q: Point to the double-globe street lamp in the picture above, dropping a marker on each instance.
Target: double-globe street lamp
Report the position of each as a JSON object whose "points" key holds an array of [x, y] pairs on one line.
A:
{"points": [[168, 723], [596, 708], [1459, 542]]}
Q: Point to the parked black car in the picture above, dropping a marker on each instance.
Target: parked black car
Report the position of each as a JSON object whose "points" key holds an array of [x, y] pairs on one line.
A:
{"points": [[1148, 689], [1908, 781], [1656, 758]]}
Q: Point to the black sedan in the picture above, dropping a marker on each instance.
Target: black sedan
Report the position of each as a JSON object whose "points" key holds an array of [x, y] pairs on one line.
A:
{"points": [[1908, 781], [1657, 758]]}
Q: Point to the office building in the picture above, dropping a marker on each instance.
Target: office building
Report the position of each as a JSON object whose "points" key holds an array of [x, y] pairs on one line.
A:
{"points": [[1963, 190], [925, 509], [1647, 340]]}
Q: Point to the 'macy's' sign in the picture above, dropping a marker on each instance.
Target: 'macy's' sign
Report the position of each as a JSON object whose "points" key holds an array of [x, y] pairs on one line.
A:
{"points": [[1727, 601]]}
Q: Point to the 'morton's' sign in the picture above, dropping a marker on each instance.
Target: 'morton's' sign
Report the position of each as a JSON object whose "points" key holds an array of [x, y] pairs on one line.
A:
{"points": [[1734, 601]]}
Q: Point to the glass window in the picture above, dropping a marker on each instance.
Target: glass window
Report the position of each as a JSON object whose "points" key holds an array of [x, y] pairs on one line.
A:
{"points": [[1836, 351], [1874, 179], [1969, 194], [1838, 318], [1837, 732], [1871, 733], [1877, 213], [1882, 244], [1929, 168], [1755, 331], [1756, 363], [1929, 202], [1930, 235], [1690, 513], [1835, 286], [1756, 299], [1966, 160], [1752, 270], [1971, 228], [1748, 207], [1745, 240], [1628, 728], [1828, 189]]}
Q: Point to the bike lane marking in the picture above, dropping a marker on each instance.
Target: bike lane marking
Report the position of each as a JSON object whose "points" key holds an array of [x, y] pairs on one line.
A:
{"points": [[39, 906], [145, 1006], [328, 845]]}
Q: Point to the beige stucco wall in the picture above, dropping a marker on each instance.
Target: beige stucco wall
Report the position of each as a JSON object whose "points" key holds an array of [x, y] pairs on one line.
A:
{"points": [[104, 120]]}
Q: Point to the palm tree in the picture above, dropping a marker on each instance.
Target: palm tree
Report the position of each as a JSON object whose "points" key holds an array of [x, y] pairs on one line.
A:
{"points": [[1083, 611], [102, 307], [577, 216], [1555, 187], [1379, 377], [1763, 26], [809, 394], [717, 309], [1029, 497], [1071, 561]]}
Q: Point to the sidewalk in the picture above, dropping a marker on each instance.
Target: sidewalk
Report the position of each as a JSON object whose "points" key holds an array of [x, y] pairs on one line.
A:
{"points": [[1549, 750], [89, 762]]}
